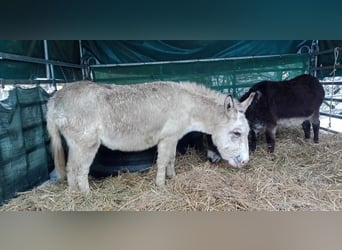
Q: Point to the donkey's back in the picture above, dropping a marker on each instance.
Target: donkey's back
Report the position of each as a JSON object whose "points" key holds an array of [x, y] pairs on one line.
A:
{"points": [[124, 117]]}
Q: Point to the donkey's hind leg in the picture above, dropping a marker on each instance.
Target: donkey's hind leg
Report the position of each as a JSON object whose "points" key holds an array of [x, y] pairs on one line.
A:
{"points": [[315, 125], [306, 125], [80, 157], [166, 160]]}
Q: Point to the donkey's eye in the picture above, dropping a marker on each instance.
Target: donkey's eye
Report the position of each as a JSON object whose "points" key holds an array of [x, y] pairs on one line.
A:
{"points": [[237, 134]]}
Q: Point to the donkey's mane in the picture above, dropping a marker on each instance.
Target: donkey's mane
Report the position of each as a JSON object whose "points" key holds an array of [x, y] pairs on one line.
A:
{"points": [[203, 92]]}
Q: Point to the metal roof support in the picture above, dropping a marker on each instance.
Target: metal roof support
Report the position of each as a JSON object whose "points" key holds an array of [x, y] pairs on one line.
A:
{"points": [[187, 61], [81, 56], [314, 57], [46, 56], [50, 74], [7, 56], [49, 69]]}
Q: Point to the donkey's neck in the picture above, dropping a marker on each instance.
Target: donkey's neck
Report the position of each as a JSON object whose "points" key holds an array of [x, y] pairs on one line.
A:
{"points": [[205, 117]]}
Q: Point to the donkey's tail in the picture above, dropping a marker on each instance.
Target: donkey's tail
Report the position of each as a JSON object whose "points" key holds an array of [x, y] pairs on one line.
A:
{"points": [[56, 147]]}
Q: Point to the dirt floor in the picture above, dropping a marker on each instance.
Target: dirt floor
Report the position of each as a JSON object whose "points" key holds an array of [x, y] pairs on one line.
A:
{"points": [[300, 175]]}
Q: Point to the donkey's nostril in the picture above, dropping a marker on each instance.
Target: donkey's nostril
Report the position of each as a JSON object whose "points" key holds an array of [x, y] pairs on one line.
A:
{"points": [[241, 161]]}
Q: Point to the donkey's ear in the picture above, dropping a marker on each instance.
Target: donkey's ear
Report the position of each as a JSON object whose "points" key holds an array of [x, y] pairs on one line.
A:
{"points": [[245, 104], [229, 102], [258, 95]]}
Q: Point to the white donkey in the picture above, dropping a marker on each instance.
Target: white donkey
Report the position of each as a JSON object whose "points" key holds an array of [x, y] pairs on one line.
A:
{"points": [[137, 117]]}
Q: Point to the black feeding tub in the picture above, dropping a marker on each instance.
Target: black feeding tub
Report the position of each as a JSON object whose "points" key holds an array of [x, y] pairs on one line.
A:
{"points": [[112, 162]]}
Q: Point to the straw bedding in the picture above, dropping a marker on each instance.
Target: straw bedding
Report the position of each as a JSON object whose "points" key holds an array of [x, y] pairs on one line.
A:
{"points": [[300, 175]]}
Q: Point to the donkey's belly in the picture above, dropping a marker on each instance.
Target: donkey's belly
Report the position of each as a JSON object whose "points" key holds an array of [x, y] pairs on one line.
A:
{"points": [[291, 122], [129, 142]]}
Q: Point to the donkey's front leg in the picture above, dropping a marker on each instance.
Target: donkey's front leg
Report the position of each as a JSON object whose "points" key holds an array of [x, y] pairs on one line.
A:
{"points": [[170, 167], [270, 133], [166, 160]]}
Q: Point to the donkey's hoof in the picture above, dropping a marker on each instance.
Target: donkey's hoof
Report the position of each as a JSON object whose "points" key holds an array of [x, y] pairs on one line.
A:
{"points": [[160, 183]]}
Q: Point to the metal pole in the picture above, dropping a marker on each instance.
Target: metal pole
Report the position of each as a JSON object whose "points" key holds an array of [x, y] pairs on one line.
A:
{"points": [[187, 61], [316, 58], [81, 56], [49, 66], [46, 54]]}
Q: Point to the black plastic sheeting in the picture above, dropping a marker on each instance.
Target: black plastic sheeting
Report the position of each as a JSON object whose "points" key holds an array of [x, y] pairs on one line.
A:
{"points": [[112, 162]]}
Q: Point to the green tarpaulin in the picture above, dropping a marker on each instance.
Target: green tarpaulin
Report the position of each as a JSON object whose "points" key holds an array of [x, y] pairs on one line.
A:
{"points": [[232, 76], [108, 52], [25, 159]]}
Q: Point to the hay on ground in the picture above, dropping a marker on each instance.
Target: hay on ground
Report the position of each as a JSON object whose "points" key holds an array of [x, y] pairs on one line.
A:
{"points": [[300, 175]]}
